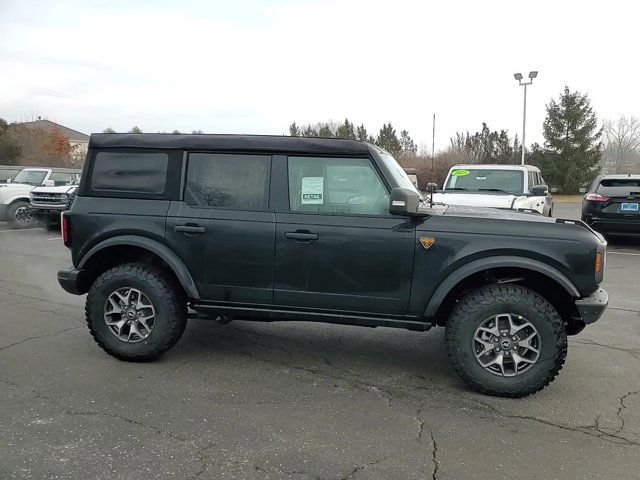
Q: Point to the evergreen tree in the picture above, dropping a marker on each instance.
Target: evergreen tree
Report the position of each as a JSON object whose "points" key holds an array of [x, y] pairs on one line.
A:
{"points": [[108, 130], [325, 130], [294, 130], [197, 132], [572, 147], [135, 130], [407, 144], [346, 130], [388, 140], [176, 132], [309, 131], [361, 134]]}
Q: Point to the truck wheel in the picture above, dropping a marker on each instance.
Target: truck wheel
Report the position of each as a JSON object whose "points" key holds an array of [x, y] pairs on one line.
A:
{"points": [[19, 215], [506, 340], [135, 312]]}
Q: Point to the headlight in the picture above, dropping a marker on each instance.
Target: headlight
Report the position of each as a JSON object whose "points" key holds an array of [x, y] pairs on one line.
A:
{"points": [[31, 196], [64, 198]]}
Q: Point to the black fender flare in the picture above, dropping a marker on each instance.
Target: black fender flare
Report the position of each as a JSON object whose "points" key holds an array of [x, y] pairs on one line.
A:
{"points": [[481, 264], [155, 247]]}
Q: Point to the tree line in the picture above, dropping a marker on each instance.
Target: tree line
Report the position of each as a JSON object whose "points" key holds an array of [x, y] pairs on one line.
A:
{"points": [[569, 158], [28, 145], [386, 138]]}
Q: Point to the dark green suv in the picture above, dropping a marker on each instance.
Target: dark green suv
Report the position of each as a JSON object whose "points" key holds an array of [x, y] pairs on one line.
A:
{"points": [[329, 230]]}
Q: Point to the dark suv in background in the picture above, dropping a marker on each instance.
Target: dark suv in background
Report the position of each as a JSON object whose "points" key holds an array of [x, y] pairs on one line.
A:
{"points": [[612, 204], [329, 230]]}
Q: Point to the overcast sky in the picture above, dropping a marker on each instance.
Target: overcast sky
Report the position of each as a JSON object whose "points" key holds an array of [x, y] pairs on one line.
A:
{"points": [[254, 66]]}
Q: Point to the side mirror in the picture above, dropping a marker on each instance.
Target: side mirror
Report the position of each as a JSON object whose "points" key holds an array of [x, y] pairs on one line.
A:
{"points": [[539, 190], [432, 187], [404, 202], [48, 183]]}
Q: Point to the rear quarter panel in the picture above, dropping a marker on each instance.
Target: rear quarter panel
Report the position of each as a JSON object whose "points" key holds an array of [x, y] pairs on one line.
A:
{"points": [[94, 219]]}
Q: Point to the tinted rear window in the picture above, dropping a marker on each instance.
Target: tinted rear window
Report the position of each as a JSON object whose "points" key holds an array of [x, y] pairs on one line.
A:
{"points": [[130, 172], [619, 186]]}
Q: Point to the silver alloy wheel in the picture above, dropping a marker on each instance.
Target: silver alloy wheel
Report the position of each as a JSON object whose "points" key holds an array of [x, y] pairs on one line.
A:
{"points": [[129, 314], [22, 215], [506, 344]]}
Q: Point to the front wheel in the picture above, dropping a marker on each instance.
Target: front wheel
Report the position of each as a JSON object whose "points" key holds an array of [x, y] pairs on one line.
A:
{"points": [[506, 340], [19, 215], [136, 312]]}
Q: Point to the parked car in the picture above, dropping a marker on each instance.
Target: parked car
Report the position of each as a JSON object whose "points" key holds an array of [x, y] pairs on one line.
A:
{"points": [[8, 172], [329, 230], [513, 187], [611, 204], [14, 196], [47, 203]]}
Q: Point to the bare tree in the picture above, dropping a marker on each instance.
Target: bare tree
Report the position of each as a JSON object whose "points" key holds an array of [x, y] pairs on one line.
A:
{"points": [[622, 141]]}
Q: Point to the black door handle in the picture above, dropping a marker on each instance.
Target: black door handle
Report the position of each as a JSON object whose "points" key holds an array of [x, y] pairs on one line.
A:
{"points": [[190, 229], [301, 236]]}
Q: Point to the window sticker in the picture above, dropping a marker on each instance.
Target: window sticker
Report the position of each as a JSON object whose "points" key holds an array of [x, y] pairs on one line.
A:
{"points": [[312, 191], [460, 173]]}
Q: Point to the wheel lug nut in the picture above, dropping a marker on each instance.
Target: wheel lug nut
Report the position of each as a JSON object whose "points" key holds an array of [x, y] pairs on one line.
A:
{"points": [[504, 334]]}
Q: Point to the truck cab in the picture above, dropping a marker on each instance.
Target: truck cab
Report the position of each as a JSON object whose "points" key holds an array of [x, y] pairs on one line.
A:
{"points": [[512, 187]]}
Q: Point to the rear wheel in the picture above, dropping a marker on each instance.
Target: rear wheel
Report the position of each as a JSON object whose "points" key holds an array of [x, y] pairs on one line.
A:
{"points": [[19, 215], [135, 312], [506, 340]]}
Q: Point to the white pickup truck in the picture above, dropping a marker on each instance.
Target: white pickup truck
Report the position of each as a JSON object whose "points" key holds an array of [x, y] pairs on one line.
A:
{"points": [[14, 196], [513, 187]]}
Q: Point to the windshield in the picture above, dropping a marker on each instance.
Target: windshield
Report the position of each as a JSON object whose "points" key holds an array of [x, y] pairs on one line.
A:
{"points": [[485, 180], [30, 177], [399, 175]]}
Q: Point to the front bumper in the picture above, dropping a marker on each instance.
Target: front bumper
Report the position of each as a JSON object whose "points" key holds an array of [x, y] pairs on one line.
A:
{"points": [[74, 280], [592, 307]]}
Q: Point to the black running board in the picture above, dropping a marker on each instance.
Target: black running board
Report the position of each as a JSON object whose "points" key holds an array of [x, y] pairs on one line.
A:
{"points": [[212, 312]]}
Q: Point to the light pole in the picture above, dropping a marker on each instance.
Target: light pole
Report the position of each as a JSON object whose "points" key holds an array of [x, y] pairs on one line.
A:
{"points": [[518, 76]]}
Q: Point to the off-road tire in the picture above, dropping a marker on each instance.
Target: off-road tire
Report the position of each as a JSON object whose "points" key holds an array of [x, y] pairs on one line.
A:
{"points": [[168, 300], [11, 215], [476, 306]]}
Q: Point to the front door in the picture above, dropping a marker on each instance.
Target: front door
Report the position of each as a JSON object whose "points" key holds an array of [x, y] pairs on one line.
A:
{"points": [[338, 248], [223, 230]]}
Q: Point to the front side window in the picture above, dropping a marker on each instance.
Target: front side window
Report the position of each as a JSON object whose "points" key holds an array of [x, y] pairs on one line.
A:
{"points": [[228, 181], [31, 177], [131, 172], [61, 179], [486, 180], [343, 186]]}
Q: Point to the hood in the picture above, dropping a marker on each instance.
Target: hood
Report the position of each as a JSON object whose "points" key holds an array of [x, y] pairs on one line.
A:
{"points": [[495, 213], [475, 199], [61, 189], [15, 187]]}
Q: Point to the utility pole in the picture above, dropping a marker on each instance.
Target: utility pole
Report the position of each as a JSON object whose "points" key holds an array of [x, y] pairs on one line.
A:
{"points": [[433, 142], [518, 77]]}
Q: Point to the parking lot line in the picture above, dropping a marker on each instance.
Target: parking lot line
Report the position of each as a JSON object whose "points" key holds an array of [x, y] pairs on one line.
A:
{"points": [[20, 230], [623, 253]]}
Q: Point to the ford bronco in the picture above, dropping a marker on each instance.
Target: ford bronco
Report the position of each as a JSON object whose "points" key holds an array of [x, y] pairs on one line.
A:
{"points": [[277, 228]]}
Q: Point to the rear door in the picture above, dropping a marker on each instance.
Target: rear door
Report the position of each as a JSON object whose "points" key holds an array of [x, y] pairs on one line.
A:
{"points": [[337, 246], [223, 229]]}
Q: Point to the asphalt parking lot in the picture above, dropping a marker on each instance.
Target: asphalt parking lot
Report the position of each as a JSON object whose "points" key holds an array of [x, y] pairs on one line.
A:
{"points": [[299, 400]]}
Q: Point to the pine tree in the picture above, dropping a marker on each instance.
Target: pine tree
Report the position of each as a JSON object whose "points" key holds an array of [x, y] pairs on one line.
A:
{"points": [[135, 130], [294, 130], [361, 134], [346, 130], [572, 147], [407, 144], [108, 130], [388, 140]]}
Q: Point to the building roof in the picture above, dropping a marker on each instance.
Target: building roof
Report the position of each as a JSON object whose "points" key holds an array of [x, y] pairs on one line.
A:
{"points": [[262, 143], [48, 126]]}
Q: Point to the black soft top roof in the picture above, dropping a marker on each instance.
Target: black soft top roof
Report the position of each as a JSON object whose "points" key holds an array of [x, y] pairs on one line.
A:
{"points": [[263, 143]]}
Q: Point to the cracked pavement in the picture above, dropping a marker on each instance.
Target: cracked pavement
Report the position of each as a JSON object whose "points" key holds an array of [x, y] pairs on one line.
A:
{"points": [[298, 400]]}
